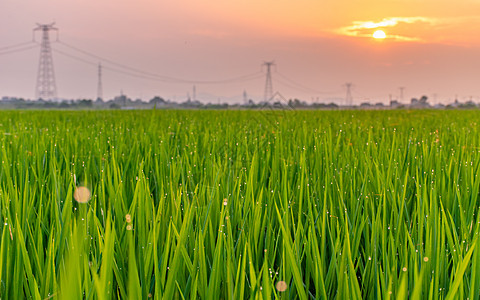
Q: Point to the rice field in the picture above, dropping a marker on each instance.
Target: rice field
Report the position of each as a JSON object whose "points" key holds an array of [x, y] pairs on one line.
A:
{"points": [[239, 204]]}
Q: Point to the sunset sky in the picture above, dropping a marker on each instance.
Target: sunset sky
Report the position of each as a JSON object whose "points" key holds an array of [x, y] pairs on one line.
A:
{"points": [[432, 47]]}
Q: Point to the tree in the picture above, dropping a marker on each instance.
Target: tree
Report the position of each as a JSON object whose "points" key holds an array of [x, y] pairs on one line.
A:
{"points": [[157, 100]]}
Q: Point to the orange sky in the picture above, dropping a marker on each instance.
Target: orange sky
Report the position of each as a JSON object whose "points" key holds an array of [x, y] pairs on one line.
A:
{"points": [[432, 47]]}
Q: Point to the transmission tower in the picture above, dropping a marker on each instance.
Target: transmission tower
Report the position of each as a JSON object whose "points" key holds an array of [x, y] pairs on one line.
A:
{"points": [[99, 86], [268, 83], [401, 93], [46, 86], [348, 97]]}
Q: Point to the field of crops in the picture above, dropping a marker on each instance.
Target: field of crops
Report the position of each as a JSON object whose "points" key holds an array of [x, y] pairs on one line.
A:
{"points": [[240, 204]]}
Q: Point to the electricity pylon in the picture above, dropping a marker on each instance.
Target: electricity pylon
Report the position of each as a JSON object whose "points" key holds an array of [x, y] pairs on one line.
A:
{"points": [[46, 87], [99, 86], [268, 83], [348, 96], [402, 89]]}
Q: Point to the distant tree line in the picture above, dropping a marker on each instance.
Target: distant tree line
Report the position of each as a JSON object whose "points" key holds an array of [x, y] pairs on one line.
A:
{"points": [[157, 102]]}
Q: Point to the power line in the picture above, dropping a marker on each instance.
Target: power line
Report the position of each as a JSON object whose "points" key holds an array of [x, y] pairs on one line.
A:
{"points": [[300, 86], [15, 46], [104, 67], [163, 77], [292, 84], [74, 57], [287, 84], [131, 74], [18, 50], [111, 61]]}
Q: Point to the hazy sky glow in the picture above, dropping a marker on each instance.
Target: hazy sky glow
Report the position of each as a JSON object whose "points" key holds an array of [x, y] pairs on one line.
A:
{"points": [[431, 48]]}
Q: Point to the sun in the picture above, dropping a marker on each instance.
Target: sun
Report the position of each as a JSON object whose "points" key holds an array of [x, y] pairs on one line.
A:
{"points": [[379, 34]]}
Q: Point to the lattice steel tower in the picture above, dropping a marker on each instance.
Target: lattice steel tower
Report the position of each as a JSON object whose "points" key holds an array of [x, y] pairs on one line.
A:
{"points": [[402, 89], [99, 86], [46, 86], [348, 96], [268, 83]]}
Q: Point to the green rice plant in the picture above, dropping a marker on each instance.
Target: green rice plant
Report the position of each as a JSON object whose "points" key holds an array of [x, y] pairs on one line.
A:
{"points": [[239, 204]]}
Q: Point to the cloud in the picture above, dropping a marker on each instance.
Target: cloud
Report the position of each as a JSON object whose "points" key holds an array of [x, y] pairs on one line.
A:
{"points": [[457, 31], [364, 28]]}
